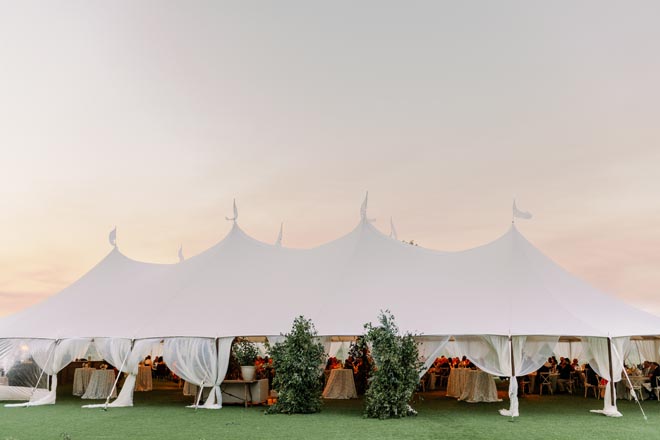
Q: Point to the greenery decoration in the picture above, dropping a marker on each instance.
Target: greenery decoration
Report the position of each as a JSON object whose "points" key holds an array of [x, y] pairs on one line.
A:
{"points": [[395, 375], [297, 362], [245, 351]]}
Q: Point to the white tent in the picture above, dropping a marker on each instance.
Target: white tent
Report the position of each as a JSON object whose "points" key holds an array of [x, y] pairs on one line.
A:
{"points": [[506, 291]]}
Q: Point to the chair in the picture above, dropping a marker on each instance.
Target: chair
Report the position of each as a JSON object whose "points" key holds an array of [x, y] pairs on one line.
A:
{"points": [[636, 387], [444, 376], [601, 387], [588, 386], [575, 377], [545, 382], [522, 384]]}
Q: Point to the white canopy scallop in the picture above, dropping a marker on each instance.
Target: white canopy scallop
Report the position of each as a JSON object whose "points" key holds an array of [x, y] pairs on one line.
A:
{"points": [[242, 286]]}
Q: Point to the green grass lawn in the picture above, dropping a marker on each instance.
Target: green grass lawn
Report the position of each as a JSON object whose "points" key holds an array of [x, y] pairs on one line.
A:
{"points": [[161, 415]]}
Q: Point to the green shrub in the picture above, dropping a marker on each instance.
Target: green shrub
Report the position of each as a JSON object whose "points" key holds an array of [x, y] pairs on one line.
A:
{"points": [[297, 362], [395, 375]]}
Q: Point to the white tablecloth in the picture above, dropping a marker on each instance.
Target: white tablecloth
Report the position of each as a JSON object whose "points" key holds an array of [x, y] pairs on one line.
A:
{"points": [[100, 385], [81, 378], [143, 382], [471, 386], [341, 385]]}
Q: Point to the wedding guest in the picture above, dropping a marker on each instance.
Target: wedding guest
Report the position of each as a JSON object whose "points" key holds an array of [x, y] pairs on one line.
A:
{"points": [[564, 380]]}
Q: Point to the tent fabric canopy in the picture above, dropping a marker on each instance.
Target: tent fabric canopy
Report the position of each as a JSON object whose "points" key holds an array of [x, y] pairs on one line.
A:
{"points": [[242, 286]]}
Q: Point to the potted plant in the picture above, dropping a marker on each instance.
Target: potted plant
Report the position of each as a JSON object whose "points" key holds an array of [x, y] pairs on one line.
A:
{"points": [[246, 353]]}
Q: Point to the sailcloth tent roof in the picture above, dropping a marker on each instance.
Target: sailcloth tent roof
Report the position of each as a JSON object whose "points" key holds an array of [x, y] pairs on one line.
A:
{"points": [[242, 286]]}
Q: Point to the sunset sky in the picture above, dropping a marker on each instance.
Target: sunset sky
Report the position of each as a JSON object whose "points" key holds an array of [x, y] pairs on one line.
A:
{"points": [[153, 115]]}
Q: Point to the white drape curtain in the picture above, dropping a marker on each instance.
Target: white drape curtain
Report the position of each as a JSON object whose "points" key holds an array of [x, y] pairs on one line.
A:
{"points": [[116, 351], [327, 348], [52, 356], [643, 350], [197, 361], [126, 359], [492, 354], [429, 350], [569, 349], [596, 354]]}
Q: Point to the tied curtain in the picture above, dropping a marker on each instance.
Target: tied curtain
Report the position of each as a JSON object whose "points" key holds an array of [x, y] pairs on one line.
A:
{"points": [[125, 355], [492, 354], [429, 349], [52, 356], [197, 361], [596, 354]]}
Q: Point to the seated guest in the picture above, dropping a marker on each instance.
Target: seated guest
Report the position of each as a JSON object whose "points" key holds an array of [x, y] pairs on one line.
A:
{"points": [[592, 378], [655, 373], [564, 380], [546, 367], [575, 365], [465, 362], [147, 361]]}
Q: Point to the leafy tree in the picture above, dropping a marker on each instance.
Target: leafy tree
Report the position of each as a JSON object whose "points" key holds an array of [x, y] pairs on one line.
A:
{"points": [[296, 361], [395, 375]]}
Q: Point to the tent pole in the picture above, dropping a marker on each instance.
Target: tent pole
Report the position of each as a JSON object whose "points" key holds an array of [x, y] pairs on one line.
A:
{"points": [[609, 356], [513, 367]]}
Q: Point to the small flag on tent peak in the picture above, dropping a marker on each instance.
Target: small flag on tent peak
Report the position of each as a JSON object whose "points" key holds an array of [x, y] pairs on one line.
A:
{"points": [[517, 213], [180, 254], [363, 209], [235, 214], [393, 230], [112, 237], [278, 243]]}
